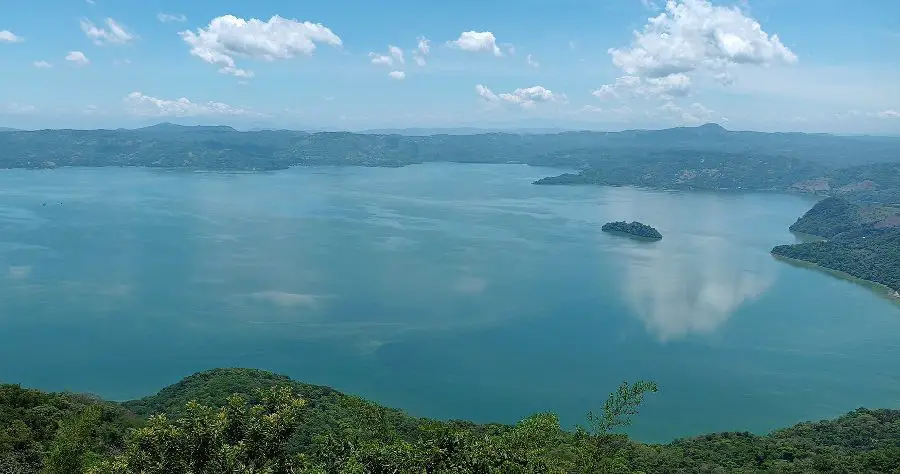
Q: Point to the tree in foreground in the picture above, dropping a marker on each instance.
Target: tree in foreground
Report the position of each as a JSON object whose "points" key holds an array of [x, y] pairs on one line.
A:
{"points": [[243, 438], [237, 438]]}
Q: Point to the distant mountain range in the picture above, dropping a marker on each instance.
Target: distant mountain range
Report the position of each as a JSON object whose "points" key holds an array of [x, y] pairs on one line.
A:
{"points": [[225, 148]]}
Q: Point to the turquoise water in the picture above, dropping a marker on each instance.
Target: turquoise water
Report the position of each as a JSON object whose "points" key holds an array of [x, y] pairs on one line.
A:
{"points": [[452, 291]]}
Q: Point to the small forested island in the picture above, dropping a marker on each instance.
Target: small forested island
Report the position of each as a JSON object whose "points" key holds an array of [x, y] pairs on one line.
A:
{"points": [[252, 421], [632, 229]]}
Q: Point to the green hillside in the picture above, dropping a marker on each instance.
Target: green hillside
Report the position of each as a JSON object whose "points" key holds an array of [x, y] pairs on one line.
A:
{"points": [[306, 428]]}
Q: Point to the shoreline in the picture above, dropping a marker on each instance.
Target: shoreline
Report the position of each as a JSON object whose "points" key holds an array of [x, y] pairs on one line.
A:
{"points": [[879, 288]]}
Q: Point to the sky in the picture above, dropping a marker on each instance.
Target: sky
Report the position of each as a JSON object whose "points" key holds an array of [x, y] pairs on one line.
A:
{"points": [[771, 65]]}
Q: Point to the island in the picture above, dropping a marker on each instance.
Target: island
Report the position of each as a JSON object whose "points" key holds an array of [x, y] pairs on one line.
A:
{"points": [[633, 229], [245, 420]]}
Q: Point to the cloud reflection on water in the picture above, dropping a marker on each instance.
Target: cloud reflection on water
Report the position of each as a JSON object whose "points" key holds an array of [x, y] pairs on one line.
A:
{"points": [[692, 281]]}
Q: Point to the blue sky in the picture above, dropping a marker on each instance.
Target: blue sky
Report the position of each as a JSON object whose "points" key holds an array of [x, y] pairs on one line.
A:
{"points": [[823, 65]]}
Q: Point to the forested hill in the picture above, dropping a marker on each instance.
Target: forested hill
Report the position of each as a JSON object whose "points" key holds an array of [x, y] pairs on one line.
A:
{"points": [[223, 148], [278, 425], [863, 240]]}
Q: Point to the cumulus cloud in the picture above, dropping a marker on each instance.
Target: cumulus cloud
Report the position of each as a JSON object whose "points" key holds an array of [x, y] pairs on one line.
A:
{"points": [[531, 61], [695, 36], [171, 17], [525, 97], [7, 36], [381, 59], [396, 53], [477, 41], [486, 94], [399, 75], [42, 65], [228, 37], [890, 113], [674, 85], [114, 33], [77, 58], [140, 104], [424, 45], [422, 49]]}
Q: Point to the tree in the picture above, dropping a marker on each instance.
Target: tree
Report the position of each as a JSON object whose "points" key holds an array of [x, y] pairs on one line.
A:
{"points": [[237, 438], [619, 407]]}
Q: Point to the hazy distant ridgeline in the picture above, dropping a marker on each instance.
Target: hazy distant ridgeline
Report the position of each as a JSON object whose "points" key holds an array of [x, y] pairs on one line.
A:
{"points": [[223, 148]]}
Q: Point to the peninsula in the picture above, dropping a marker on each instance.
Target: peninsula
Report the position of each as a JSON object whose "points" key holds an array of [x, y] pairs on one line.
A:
{"points": [[633, 229]]}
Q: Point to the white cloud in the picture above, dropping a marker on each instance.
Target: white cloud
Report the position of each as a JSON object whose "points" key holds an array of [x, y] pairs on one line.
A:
{"points": [[525, 97], [228, 37], [114, 33], [381, 59], [890, 113], [7, 36], [695, 36], [477, 41], [19, 109], [694, 114], [144, 105], [486, 94], [724, 78], [591, 109], [42, 65], [422, 49], [673, 85], [424, 45], [396, 53], [78, 58], [531, 61], [171, 17], [399, 75]]}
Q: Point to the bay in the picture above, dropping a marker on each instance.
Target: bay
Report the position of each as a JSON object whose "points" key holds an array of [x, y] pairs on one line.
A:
{"points": [[448, 290]]}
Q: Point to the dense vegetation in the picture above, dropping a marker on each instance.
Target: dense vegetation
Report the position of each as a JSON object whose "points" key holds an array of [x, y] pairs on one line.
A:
{"points": [[863, 240], [874, 256], [633, 228], [276, 425], [692, 170], [837, 217]]}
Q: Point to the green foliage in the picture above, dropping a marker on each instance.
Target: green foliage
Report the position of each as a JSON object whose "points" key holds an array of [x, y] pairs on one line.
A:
{"points": [[692, 170], [839, 218], [619, 407], [237, 437], [634, 228], [256, 432], [327, 411], [874, 257], [57, 432]]}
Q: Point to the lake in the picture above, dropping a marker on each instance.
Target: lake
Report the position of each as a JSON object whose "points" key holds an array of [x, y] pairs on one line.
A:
{"points": [[448, 290]]}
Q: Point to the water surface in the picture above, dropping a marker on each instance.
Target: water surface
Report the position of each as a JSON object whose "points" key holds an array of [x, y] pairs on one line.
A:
{"points": [[452, 291]]}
